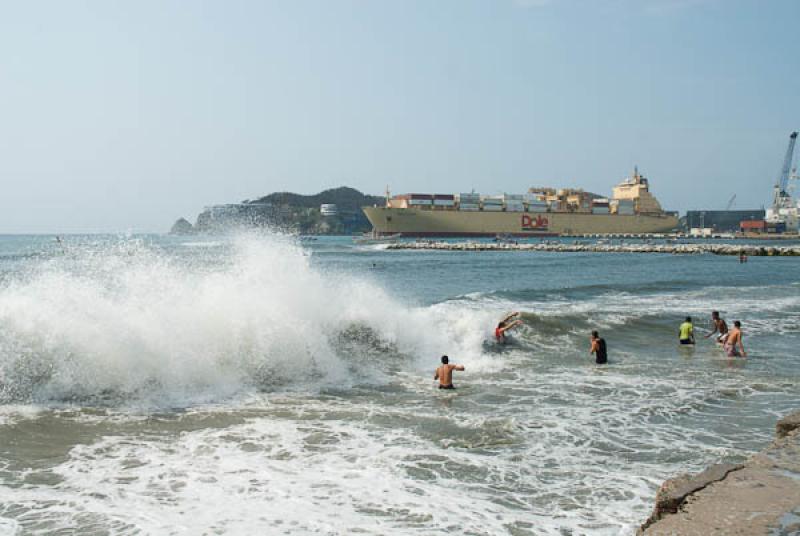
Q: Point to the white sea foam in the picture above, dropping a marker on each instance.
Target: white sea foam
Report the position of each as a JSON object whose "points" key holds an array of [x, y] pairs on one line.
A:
{"points": [[536, 465], [127, 319]]}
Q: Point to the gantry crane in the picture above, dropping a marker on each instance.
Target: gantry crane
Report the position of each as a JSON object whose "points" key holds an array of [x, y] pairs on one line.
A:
{"points": [[781, 197]]}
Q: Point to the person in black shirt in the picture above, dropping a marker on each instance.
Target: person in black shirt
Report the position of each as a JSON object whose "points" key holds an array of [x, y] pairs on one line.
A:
{"points": [[599, 349]]}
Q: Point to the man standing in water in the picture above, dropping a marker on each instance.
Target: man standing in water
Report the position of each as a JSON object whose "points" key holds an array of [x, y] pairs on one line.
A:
{"points": [[719, 327], [445, 373], [598, 349], [734, 338], [687, 331]]}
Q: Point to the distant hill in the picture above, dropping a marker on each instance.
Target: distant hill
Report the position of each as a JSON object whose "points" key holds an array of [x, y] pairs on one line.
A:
{"points": [[345, 198], [287, 210]]}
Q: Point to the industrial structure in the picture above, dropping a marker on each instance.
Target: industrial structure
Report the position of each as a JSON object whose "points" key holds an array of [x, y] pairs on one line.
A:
{"points": [[721, 221], [784, 210]]}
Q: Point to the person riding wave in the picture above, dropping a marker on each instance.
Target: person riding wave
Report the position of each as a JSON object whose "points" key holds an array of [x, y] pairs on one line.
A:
{"points": [[509, 322]]}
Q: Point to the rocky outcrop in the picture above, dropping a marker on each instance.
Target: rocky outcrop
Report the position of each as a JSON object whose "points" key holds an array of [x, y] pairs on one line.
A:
{"points": [[761, 496], [181, 227], [676, 249], [291, 213]]}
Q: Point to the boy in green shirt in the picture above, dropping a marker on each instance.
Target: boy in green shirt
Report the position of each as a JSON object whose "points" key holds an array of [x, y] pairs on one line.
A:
{"points": [[686, 335]]}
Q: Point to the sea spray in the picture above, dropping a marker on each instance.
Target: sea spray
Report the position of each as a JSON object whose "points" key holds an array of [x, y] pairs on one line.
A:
{"points": [[126, 320]]}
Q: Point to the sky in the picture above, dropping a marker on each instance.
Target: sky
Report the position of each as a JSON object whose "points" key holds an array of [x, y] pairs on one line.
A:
{"points": [[121, 116]]}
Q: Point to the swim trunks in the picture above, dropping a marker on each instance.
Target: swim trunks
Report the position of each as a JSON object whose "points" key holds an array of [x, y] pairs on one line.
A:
{"points": [[601, 357], [451, 386], [731, 350], [686, 341]]}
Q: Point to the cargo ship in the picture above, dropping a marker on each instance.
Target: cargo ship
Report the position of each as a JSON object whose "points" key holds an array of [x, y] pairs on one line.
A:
{"points": [[632, 209]]}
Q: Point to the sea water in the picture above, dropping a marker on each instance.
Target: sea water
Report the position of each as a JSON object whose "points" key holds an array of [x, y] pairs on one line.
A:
{"points": [[256, 384]]}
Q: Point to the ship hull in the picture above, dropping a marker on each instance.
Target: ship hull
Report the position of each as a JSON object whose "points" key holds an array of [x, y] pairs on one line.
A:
{"points": [[455, 223]]}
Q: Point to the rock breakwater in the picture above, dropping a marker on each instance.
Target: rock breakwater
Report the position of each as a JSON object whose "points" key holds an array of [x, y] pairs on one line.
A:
{"points": [[761, 496], [752, 250]]}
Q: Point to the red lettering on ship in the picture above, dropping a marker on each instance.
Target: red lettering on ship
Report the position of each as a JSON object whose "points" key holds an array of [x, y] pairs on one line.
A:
{"points": [[530, 224]]}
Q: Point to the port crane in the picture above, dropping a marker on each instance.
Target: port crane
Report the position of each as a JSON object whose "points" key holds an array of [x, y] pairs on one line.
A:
{"points": [[781, 197], [731, 201]]}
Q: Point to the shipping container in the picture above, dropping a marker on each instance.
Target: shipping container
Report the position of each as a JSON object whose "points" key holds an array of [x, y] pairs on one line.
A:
{"points": [[600, 210], [493, 208], [752, 225], [444, 202]]}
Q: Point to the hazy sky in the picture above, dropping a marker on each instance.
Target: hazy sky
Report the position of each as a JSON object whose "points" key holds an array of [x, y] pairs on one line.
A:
{"points": [[119, 116]]}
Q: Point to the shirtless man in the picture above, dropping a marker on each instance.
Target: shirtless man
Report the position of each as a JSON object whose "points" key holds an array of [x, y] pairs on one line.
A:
{"points": [[719, 327], [734, 338], [509, 322], [445, 373]]}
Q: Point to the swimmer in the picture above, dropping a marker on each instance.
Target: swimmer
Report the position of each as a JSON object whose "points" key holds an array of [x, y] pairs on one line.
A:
{"points": [[509, 322], [719, 327], [445, 373], [734, 338], [598, 348], [686, 331]]}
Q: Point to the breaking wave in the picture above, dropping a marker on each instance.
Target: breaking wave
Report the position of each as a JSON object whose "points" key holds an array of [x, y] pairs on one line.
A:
{"points": [[127, 319]]}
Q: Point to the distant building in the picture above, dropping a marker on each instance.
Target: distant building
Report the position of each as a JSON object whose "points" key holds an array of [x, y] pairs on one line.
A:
{"points": [[328, 209], [721, 221], [700, 232]]}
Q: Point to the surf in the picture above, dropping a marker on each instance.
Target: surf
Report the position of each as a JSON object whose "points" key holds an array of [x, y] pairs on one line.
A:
{"points": [[129, 320]]}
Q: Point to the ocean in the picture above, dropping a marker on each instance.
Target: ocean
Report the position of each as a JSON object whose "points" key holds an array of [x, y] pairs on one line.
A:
{"points": [[260, 384]]}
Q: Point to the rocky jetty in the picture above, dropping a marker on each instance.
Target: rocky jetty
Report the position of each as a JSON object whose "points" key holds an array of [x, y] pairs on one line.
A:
{"points": [[761, 496], [752, 250]]}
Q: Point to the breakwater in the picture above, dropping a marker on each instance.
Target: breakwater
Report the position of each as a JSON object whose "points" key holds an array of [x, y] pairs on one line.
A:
{"points": [[760, 496], [752, 250]]}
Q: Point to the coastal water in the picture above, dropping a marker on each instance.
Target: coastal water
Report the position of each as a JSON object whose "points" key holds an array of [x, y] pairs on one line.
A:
{"points": [[256, 384]]}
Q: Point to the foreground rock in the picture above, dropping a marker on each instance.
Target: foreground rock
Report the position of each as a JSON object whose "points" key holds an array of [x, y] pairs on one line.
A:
{"points": [[677, 249], [761, 496]]}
